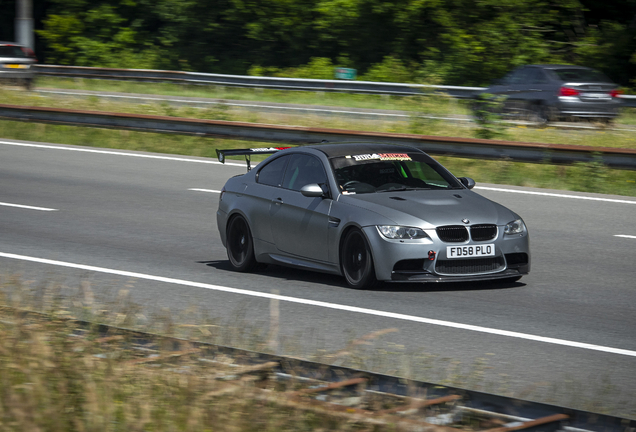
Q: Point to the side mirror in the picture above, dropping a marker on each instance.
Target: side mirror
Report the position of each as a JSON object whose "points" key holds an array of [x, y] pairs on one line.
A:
{"points": [[312, 190], [468, 182]]}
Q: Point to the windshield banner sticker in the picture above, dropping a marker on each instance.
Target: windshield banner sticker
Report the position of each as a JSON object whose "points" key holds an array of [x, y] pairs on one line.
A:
{"points": [[382, 157]]}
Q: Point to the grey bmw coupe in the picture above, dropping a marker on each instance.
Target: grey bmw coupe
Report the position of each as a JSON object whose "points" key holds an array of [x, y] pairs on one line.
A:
{"points": [[371, 213]]}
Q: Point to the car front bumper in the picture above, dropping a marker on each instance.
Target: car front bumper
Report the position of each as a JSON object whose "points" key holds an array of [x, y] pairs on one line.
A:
{"points": [[425, 260]]}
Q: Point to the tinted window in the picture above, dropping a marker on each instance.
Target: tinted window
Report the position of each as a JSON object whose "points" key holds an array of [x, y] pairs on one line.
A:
{"points": [[272, 173], [380, 172], [536, 76], [303, 170], [581, 75], [519, 76], [11, 51]]}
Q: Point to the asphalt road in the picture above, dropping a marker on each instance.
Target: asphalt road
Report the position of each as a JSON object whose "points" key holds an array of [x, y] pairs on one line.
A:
{"points": [[565, 333]]}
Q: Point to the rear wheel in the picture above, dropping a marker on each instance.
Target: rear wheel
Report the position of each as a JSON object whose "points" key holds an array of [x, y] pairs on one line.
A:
{"points": [[356, 261], [540, 115], [240, 247]]}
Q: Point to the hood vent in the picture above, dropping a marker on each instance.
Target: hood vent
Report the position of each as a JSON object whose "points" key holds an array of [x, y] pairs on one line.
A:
{"points": [[398, 198]]}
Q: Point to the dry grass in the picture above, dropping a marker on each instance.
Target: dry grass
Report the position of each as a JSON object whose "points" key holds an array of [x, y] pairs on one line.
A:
{"points": [[52, 381]]}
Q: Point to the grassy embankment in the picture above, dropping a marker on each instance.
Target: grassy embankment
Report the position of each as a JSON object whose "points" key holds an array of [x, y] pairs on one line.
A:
{"points": [[52, 381], [591, 177]]}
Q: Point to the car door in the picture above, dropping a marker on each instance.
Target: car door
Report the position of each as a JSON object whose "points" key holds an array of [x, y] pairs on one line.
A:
{"points": [[269, 180], [299, 224], [519, 90]]}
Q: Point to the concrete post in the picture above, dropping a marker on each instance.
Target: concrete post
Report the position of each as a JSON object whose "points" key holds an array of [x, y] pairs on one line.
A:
{"points": [[24, 23]]}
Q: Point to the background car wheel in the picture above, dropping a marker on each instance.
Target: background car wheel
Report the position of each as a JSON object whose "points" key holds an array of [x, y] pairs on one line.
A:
{"points": [[540, 115], [240, 247], [357, 262]]}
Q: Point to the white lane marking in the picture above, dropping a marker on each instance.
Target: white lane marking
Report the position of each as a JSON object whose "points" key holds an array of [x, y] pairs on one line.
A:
{"points": [[205, 190], [327, 305], [556, 195], [53, 147], [109, 152], [27, 207], [625, 236]]}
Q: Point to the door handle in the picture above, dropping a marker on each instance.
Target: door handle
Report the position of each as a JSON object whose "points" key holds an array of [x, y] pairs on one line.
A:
{"points": [[278, 201]]}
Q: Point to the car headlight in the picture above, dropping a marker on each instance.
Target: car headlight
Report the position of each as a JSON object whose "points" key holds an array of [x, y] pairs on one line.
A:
{"points": [[400, 232], [515, 227]]}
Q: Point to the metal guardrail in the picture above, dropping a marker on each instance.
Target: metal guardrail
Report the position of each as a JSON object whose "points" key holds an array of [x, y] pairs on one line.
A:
{"points": [[446, 146], [359, 395], [397, 89]]}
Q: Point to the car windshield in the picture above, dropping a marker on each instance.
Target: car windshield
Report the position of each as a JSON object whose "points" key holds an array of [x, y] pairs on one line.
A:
{"points": [[383, 172], [12, 51], [581, 75]]}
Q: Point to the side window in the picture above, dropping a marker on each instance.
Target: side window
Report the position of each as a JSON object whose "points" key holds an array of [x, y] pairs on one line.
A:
{"points": [[540, 77], [272, 173], [514, 77], [523, 76], [304, 170]]}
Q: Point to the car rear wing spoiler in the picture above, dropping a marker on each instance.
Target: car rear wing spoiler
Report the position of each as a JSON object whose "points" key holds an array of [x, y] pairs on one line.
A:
{"points": [[248, 153]]}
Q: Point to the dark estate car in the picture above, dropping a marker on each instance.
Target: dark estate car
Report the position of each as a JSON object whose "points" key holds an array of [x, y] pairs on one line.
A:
{"points": [[544, 93], [16, 63], [369, 212]]}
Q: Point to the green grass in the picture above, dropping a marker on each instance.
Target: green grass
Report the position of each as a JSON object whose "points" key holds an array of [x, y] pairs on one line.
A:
{"points": [[243, 94], [591, 177], [431, 104]]}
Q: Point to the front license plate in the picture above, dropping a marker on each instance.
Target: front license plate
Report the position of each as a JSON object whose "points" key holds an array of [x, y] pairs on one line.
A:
{"points": [[470, 251]]}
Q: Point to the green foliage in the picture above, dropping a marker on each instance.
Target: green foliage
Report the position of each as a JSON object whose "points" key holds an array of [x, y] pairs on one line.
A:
{"points": [[317, 68], [486, 111], [391, 69], [457, 42]]}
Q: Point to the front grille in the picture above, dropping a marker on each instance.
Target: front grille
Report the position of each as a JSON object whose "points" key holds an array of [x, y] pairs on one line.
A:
{"points": [[483, 232], [452, 233], [469, 266]]}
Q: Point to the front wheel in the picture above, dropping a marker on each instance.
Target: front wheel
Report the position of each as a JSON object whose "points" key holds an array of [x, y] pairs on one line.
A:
{"points": [[357, 262], [240, 247]]}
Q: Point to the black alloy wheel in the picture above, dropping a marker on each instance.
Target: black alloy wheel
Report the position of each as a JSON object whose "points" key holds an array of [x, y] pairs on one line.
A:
{"points": [[240, 247], [357, 262]]}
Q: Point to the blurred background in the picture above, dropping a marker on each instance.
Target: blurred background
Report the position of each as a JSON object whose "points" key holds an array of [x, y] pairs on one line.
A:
{"points": [[453, 42]]}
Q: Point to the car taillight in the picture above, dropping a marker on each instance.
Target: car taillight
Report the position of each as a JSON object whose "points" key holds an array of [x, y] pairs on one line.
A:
{"points": [[568, 91], [29, 52], [616, 93]]}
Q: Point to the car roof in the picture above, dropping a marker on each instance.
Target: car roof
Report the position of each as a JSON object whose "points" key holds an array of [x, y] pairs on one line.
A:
{"points": [[346, 149]]}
